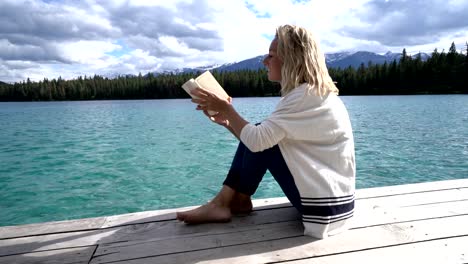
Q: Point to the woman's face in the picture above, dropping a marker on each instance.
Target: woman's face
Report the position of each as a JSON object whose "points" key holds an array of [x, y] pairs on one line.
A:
{"points": [[273, 63]]}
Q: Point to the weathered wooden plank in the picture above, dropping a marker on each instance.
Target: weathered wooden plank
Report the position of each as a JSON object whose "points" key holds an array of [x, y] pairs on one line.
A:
{"points": [[52, 242], [138, 232], [369, 216], [373, 211], [367, 213], [451, 250], [80, 255], [411, 188], [51, 227], [170, 214], [143, 217], [269, 203], [125, 250], [266, 204], [171, 229], [276, 250], [414, 199], [262, 204], [408, 206], [105, 222]]}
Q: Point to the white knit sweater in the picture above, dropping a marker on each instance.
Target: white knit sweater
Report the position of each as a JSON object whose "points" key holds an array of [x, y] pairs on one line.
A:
{"points": [[315, 138]]}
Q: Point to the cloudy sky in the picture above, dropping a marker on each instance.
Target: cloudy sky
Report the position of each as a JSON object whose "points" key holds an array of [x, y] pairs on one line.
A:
{"points": [[50, 38]]}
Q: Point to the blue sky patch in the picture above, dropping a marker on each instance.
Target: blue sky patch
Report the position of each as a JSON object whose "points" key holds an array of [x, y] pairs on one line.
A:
{"points": [[120, 52], [257, 13], [269, 36]]}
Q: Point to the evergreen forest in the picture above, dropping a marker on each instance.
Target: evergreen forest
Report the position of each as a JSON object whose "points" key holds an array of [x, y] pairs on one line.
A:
{"points": [[442, 73]]}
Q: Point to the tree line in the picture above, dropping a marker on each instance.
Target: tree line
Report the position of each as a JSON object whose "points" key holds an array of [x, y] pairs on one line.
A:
{"points": [[442, 73]]}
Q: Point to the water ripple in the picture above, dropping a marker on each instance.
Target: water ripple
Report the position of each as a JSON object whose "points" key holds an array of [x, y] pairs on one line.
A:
{"points": [[66, 160]]}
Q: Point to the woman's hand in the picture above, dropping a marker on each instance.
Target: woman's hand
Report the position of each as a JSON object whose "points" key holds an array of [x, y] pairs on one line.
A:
{"points": [[225, 115], [209, 101], [217, 118]]}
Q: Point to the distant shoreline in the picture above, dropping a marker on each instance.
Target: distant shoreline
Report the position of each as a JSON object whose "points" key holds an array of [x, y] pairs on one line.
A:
{"points": [[441, 73]]}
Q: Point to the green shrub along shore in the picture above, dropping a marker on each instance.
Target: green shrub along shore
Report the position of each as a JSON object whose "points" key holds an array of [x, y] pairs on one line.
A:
{"points": [[442, 73]]}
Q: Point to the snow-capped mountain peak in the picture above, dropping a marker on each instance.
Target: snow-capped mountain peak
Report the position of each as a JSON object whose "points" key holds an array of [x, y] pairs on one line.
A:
{"points": [[333, 60]]}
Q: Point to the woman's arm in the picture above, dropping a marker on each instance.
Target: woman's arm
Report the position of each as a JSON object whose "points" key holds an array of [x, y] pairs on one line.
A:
{"points": [[235, 121], [227, 115], [232, 131], [256, 138]]}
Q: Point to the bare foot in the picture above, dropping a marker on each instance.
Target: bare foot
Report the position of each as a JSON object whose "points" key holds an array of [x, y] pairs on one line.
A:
{"points": [[208, 213], [241, 204]]}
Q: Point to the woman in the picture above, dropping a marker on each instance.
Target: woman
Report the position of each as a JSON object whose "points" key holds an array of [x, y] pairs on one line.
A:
{"points": [[306, 143]]}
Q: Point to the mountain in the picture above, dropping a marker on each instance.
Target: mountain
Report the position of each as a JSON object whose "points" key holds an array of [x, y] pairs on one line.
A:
{"points": [[355, 59], [390, 56], [333, 60], [249, 64], [424, 56], [4, 83], [332, 57], [196, 69], [344, 60]]}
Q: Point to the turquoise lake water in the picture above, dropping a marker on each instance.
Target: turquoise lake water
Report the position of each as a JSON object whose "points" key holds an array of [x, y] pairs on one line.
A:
{"points": [[67, 160]]}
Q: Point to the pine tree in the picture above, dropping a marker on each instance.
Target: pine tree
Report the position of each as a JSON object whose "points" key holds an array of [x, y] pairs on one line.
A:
{"points": [[465, 71], [404, 57], [451, 55]]}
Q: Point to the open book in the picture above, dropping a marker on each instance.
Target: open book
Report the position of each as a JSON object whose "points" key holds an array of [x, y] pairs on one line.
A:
{"points": [[205, 81]]}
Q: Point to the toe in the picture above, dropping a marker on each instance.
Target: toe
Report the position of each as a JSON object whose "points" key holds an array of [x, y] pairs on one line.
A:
{"points": [[180, 216]]}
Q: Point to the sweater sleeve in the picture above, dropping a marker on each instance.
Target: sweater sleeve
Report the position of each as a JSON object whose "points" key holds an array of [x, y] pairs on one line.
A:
{"points": [[271, 130], [263, 136]]}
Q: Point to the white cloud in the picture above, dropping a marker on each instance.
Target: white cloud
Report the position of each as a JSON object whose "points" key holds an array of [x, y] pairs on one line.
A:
{"points": [[87, 51], [241, 31], [174, 45], [408, 23], [159, 3], [70, 38]]}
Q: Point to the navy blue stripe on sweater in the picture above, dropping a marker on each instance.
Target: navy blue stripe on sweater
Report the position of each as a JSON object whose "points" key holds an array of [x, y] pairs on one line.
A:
{"points": [[328, 209], [327, 202], [328, 218], [327, 198], [326, 222]]}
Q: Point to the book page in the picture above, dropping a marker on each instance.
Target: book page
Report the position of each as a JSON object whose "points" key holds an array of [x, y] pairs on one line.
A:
{"points": [[189, 86], [207, 82]]}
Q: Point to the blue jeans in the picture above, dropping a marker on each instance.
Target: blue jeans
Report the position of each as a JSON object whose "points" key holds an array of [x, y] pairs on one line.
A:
{"points": [[248, 168]]}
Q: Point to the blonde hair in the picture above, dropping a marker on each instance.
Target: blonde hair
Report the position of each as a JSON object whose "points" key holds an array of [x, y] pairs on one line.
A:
{"points": [[303, 62]]}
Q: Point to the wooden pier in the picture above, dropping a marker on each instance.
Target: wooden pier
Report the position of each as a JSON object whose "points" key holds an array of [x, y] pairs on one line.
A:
{"points": [[414, 223]]}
